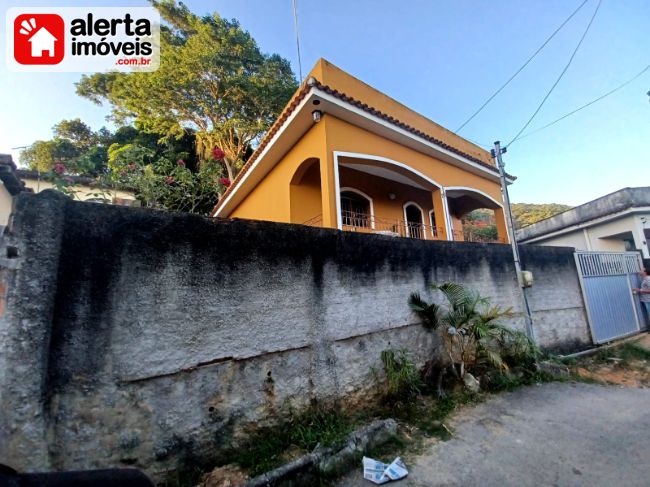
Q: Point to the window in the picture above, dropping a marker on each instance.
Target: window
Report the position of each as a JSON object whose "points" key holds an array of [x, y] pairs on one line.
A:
{"points": [[414, 218], [355, 209]]}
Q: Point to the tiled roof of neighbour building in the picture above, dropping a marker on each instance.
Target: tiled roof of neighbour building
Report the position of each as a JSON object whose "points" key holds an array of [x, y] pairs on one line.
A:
{"points": [[8, 175]]}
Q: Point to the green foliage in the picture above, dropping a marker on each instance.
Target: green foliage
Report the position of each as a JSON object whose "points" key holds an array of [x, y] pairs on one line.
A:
{"points": [[527, 214], [42, 155], [627, 352], [471, 331], [77, 132], [212, 78], [214, 88], [166, 184], [481, 215], [480, 233], [268, 447], [402, 376]]}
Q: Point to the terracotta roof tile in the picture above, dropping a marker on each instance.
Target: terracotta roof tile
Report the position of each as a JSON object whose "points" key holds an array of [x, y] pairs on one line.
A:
{"points": [[304, 89]]}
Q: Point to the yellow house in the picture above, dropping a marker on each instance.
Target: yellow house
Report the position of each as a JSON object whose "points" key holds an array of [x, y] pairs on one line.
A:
{"points": [[344, 155]]}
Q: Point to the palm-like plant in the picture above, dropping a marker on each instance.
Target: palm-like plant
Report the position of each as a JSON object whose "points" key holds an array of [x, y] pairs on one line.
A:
{"points": [[470, 330]]}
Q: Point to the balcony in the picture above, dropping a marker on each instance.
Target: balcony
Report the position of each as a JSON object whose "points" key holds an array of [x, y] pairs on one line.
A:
{"points": [[365, 223]]}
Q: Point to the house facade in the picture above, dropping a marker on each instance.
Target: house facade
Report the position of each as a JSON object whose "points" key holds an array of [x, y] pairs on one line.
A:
{"points": [[617, 222], [344, 155]]}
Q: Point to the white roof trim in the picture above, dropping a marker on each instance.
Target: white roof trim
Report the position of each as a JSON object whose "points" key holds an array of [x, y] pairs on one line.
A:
{"points": [[473, 190], [268, 146], [359, 112]]}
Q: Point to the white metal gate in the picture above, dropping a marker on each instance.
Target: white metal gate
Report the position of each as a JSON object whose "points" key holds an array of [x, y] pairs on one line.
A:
{"points": [[607, 279]]}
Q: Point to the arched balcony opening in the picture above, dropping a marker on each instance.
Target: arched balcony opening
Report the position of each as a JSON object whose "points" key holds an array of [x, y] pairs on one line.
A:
{"points": [[357, 211], [475, 216], [379, 195], [414, 219]]}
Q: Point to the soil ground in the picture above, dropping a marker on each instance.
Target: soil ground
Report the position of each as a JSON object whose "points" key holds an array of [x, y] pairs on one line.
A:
{"points": [[563, 434]]}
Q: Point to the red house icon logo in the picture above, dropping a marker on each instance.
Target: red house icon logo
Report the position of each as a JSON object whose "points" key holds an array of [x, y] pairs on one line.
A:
{"points": [[39, 39]]}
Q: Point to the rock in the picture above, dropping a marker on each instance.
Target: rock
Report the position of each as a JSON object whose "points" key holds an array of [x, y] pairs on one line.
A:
{"points": [[226, 476], [471, 383], [555, 370]]}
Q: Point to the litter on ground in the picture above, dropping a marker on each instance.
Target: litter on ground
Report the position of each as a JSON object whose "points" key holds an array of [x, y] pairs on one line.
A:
{"points": [[380, 473]]}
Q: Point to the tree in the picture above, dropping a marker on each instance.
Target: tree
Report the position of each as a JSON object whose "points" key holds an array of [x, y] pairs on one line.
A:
{"points": [[212, 78], [77, 132], [42, 155]]}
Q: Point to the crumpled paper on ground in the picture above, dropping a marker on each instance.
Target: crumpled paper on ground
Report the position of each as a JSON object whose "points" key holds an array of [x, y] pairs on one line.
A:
{"points": [[380, 473]]}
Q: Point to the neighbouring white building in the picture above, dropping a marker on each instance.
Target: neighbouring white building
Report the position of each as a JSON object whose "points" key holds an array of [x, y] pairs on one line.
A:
{"points": [[14, 180], [616, 222]]}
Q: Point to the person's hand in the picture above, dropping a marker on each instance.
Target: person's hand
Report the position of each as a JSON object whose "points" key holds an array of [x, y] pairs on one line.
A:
{"points": [[635, 291]]}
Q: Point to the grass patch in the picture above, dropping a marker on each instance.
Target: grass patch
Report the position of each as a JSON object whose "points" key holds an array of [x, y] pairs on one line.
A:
{"points": [[627, 352], [268, 448]]}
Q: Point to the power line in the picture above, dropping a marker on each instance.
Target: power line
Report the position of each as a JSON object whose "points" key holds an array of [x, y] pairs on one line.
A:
{"points": [[575, 51], [485, 146], [295, 26], [522, 67], [622, 85]]}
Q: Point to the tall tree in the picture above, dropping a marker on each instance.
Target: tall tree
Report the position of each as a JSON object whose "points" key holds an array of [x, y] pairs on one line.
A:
{"points": [[213, 78], [42, 155], [77, 132]]}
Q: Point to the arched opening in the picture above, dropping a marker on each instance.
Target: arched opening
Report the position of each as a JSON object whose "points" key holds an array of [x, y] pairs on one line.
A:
{"points": [[475, 216], [432, 224], [392, 188], [356, 209], [414, 220], [305, 194]]}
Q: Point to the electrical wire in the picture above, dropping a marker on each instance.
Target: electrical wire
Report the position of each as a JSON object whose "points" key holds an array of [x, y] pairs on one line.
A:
{"points": [[295, 26], [522, 67], [485, 146], [575, 51], [622, 85]]}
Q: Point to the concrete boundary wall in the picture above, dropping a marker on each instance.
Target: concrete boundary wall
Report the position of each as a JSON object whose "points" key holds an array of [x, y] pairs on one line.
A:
{"points": [[144, 338]]}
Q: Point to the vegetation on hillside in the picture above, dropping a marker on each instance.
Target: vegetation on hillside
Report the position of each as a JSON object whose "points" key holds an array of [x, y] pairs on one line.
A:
{"points": [[482, 221], [527, 213]]}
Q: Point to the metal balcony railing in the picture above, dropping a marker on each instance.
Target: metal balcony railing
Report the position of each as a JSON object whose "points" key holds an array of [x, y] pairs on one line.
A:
{"points": [[364, 223], [466, 235]]}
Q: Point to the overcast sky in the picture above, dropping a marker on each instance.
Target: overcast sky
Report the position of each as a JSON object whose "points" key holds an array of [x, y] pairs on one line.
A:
{"points": [[443, 59]]}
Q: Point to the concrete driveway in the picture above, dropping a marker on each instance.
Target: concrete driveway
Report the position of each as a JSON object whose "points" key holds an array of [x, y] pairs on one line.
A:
{"points": [[559, 434]]}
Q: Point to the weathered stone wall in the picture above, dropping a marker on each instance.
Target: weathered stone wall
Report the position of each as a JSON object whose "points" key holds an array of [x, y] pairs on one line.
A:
{"points": [[135, 337]]}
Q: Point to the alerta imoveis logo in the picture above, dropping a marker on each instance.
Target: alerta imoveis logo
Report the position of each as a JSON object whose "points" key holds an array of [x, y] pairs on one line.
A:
{"points": [[39, 39]]}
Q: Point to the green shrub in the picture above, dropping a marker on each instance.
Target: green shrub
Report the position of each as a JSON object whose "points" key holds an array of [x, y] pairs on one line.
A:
{"points": [[471, 331], [402, 376]]}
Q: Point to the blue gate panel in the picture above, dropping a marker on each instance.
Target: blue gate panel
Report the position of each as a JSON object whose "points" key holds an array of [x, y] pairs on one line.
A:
{"points": [[610, 307]]}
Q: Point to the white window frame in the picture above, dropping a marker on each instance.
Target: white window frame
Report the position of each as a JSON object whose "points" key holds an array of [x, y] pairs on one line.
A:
{"points": [[364, 195], [424, 225]]}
